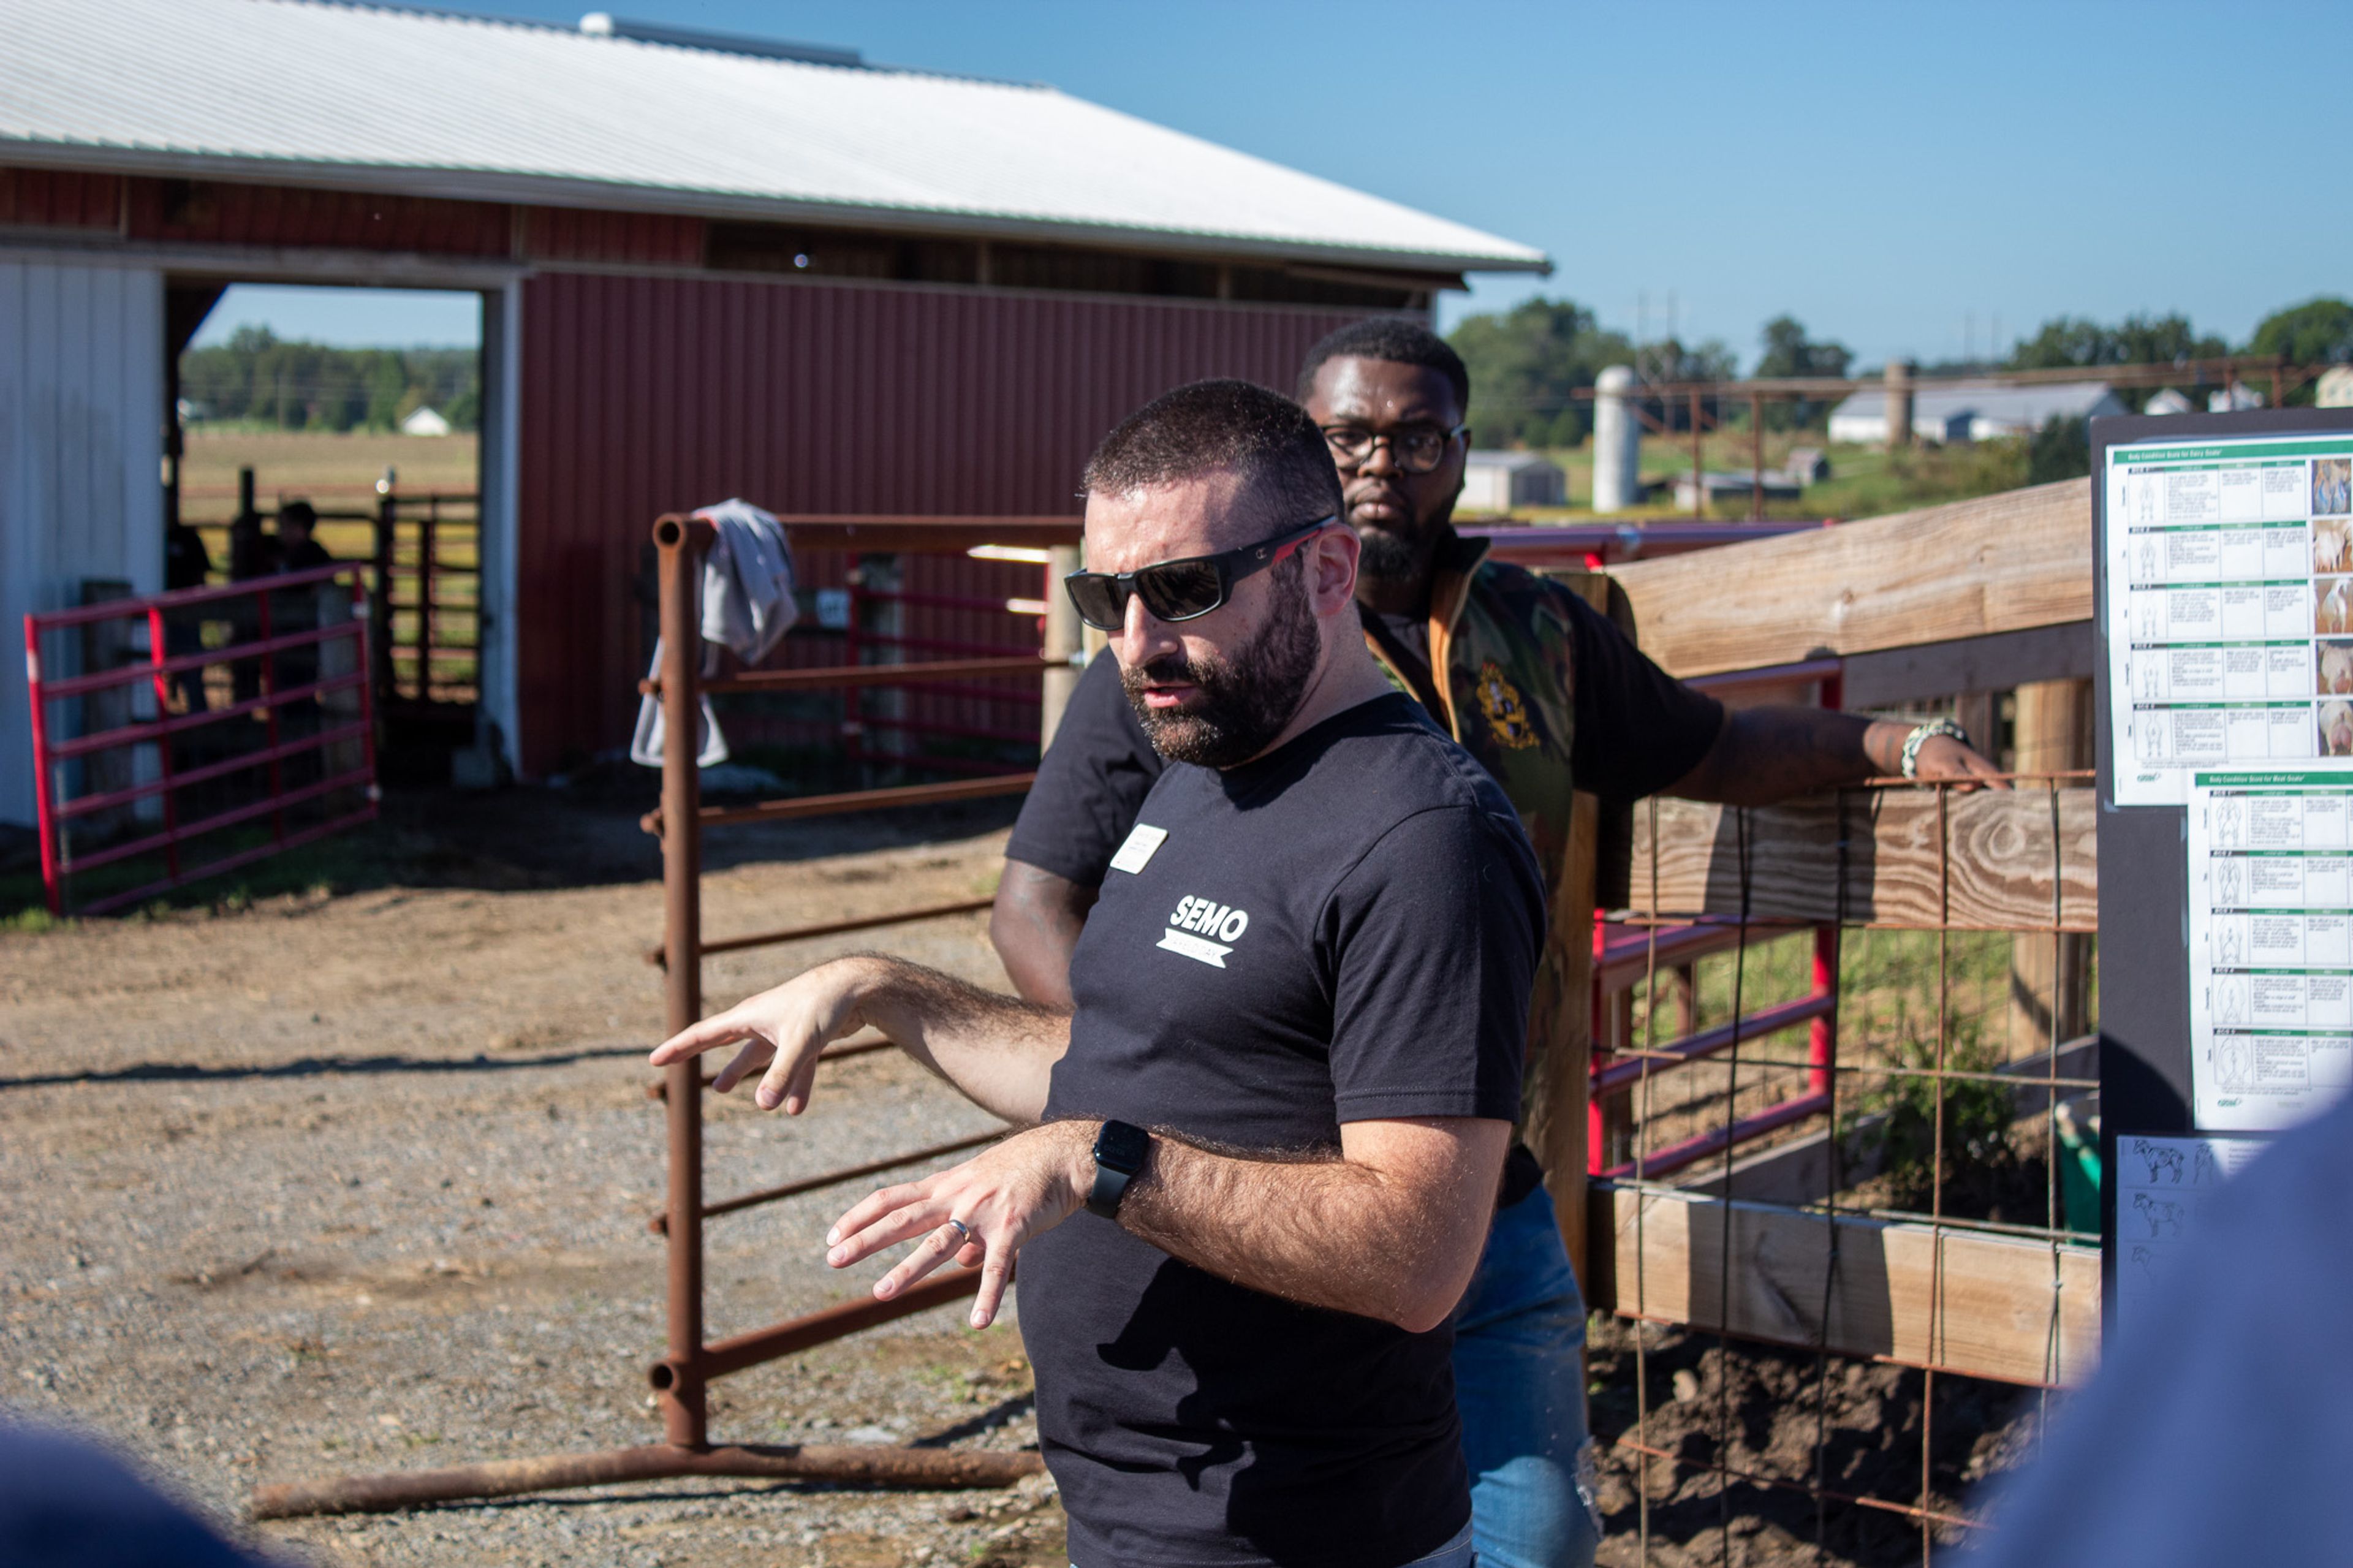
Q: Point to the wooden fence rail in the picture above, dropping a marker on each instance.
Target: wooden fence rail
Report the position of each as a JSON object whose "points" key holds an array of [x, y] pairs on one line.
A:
{"points": [[1878, 857]]}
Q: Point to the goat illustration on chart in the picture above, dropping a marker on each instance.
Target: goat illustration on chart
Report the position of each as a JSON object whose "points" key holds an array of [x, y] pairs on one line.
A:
{"points": [[2159, 1159], [2163, 1215]]}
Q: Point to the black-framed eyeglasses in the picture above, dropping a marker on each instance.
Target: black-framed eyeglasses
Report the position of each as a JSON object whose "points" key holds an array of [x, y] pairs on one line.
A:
{"points": [[1183, 589], [1414, 451]]}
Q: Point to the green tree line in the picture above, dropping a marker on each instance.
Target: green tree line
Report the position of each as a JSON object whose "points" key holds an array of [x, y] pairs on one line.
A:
{"points": [[257, 377], [1528, 363]]}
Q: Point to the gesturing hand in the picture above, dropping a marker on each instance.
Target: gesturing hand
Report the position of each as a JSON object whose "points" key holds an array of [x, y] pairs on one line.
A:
{"points": [[783, 1028], [1000, 1200]]}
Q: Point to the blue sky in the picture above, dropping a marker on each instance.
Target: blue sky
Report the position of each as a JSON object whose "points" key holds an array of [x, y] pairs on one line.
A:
{"points": [[1894, 175]]}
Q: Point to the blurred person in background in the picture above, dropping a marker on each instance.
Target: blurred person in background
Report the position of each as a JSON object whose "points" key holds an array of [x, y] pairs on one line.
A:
{"points": [[2219, 1429], [187, 564], [298, 551]]}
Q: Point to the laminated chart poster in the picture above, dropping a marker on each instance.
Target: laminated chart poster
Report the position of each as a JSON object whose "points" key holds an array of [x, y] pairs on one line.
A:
{"points": [[2165, 1193], [2230, 574], [2270, 946]]}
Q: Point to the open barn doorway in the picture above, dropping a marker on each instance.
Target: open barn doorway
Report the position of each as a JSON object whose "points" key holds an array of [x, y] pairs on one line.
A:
{"points": [[358, 412]]}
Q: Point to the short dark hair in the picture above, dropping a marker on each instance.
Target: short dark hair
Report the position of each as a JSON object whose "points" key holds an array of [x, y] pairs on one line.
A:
{"points": [[1395, 339], [1222, 426], [299, 512]]}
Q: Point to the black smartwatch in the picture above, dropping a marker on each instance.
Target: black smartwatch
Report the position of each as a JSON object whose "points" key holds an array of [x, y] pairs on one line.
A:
{"points": [[1120, 1149]]}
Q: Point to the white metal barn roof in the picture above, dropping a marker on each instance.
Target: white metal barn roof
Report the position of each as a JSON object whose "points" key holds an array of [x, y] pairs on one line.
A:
{"points": [[438, 104]]}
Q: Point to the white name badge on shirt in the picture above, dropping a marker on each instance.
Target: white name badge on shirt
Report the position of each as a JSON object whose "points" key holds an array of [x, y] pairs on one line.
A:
{"points": [[1136, 853]]}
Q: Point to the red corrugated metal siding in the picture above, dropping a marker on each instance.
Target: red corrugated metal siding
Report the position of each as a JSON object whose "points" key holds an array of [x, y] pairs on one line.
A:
{"points": [[220, 212], [644, 394], [644, 239], [59, 198]]}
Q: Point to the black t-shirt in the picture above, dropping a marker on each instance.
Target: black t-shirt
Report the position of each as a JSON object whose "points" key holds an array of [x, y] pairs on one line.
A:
{"points": [[1344, 930], [1638, 730], [1090, 783]]}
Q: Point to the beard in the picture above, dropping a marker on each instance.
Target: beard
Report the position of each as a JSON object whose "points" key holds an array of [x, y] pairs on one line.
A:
{"points": [[1391, 557], [1398, 551], [1240, 703]]}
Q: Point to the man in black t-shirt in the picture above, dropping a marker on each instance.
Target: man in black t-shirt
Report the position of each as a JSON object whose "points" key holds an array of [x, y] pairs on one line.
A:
{"points": [[1552, 699], [1290, 1079]]}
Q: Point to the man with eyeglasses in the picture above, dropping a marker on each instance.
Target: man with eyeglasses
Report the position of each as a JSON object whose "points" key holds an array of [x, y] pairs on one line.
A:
{"points": [[1551, 697], [1286, 1090]]}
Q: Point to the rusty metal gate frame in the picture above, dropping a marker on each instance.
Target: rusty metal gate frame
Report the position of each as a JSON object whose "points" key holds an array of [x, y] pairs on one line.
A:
{"points": [[681, 1378]]}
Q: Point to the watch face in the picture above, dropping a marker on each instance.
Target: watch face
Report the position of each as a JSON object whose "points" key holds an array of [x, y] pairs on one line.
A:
{"points": [[1122, 1146]]}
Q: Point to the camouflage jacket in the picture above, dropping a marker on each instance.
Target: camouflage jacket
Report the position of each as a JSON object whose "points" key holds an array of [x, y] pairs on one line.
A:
{"points": [[1501, 636]]}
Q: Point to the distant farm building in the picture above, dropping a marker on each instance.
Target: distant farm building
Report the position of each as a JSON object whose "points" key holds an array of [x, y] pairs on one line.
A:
{"points": [[425, 422], [1498, 482], [2335, 389], [1975, 411], [709, 267]]}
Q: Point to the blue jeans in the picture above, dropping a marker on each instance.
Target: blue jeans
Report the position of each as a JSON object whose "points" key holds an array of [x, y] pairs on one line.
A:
{"points": [[1519, 1379]]}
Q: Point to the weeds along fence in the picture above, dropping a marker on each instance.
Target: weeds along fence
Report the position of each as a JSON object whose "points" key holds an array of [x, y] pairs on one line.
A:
{"points": [[1891, 1189]]}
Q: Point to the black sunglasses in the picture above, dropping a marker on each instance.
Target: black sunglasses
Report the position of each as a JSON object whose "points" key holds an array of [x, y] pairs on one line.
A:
{"points": [[1184, 589]]}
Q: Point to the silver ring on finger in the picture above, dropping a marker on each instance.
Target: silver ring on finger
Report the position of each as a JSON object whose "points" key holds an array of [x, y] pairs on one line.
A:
{"points": [[965, 1236]]}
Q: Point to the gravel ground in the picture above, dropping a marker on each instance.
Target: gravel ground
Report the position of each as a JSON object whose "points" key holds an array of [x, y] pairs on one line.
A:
{"points": [[360, 1183]]}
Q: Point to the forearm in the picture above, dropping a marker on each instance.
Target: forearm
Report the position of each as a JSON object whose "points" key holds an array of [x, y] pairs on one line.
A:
{"points": [[1765, 755], [1395, 1239], [1000, 1050], [1035, 925]]}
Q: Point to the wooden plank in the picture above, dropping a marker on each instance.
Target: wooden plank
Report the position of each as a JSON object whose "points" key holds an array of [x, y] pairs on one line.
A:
{"points": [[1999, 563], [2010, 1308], [1997, 870], [1893, 677]]}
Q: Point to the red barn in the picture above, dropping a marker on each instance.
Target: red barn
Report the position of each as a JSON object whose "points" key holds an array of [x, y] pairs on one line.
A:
{"points": [[709, 267]]}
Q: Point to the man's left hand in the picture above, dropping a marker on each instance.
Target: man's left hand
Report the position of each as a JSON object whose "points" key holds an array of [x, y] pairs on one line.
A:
{"points": [[1004, 1197]]}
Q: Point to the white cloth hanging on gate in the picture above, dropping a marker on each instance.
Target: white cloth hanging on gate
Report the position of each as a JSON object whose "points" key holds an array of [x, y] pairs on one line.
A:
{"points": [[747, 608]]}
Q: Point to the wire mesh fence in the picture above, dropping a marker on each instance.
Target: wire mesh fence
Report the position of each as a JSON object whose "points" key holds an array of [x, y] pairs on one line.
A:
{"points": [[1822, 1336]]}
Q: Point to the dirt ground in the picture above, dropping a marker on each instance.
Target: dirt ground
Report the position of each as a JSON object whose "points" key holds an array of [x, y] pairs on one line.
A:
{"points": [[329, 1181], [360, 1183]]}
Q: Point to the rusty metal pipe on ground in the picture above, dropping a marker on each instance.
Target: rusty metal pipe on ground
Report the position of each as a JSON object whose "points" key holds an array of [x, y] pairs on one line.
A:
{"points": [[926, 1468]]}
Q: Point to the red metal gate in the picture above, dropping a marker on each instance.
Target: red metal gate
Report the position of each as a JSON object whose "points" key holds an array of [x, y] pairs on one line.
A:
{"points": [[152, 766]]}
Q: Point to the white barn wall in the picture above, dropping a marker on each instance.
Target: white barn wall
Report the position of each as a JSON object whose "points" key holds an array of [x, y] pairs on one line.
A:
{"points": [[81, 447]]}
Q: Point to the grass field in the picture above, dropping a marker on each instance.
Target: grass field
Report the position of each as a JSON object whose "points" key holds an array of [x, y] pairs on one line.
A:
{"points": [[1864, 481], [333, 472]]}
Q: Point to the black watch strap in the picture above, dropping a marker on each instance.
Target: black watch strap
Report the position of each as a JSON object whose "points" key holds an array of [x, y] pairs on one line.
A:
{"points": [[1119, 1151]]}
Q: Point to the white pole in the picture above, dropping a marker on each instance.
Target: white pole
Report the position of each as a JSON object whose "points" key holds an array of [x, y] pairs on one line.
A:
{"points": [[1617, 443]]}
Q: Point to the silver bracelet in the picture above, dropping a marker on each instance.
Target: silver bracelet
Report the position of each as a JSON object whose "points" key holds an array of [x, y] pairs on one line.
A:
{"points": [[1920, 737]]}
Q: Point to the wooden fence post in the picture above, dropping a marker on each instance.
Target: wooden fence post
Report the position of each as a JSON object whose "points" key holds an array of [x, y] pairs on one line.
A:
{"points": [[2051, 1005]]}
